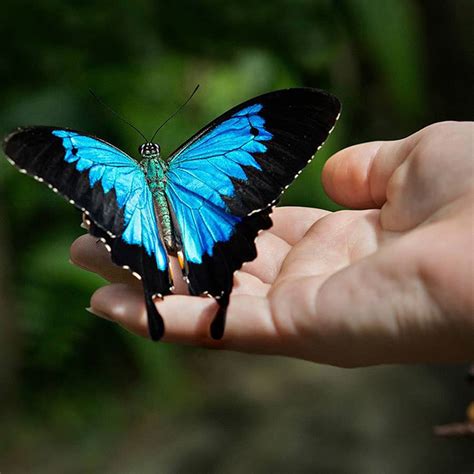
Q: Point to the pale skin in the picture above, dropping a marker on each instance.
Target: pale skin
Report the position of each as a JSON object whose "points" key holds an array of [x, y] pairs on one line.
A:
{"points": [[389, 282]]}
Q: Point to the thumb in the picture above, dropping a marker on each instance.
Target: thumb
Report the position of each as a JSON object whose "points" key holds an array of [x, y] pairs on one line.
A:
{"points": [[357, 176]]}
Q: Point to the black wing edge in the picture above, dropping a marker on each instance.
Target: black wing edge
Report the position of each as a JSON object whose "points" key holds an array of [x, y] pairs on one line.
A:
{"points": [[37, 152], [300, 121]]}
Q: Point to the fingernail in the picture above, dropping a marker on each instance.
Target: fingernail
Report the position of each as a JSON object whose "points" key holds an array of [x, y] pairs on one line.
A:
{"points": [[98, 313]]}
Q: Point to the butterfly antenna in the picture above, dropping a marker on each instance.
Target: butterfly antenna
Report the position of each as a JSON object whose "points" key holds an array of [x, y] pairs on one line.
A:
{"points": [[169, 118], [101, 102]]}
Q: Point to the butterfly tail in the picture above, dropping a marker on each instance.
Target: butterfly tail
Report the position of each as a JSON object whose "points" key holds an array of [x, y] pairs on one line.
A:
{"points": [[156, 325], [155, 284], [218, 324]]}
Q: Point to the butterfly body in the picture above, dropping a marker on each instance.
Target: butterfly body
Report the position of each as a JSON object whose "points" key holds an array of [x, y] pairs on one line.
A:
{"points": [[205, 203], [155, 169]]}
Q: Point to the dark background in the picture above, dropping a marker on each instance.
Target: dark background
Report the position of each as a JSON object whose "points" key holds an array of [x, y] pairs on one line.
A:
{"points": [[79, 394]]}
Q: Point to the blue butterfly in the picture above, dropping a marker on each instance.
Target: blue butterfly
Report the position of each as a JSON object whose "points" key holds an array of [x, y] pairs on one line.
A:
{"points": [[205, 203]]}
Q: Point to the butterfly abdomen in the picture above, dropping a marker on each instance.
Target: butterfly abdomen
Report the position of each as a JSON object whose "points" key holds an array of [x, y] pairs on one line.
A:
{"points": [[155, 174]]}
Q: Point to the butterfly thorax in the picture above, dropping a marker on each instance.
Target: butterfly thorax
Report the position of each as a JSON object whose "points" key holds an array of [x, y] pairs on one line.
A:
{"points": [[155, 169]]}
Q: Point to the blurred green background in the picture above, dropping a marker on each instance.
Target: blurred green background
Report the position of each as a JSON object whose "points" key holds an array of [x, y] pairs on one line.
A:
{"points": [[79, 394]]}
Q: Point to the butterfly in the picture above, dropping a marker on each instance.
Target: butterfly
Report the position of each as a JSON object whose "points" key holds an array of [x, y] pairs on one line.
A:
{"points": [[205, 203]]}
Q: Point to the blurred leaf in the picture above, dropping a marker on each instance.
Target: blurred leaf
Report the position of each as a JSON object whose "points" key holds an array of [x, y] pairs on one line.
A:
{"points": [[389, 30]]}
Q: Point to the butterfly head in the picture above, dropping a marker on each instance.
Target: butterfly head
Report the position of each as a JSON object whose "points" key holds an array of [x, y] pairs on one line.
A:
{"points": [[149, 150]]}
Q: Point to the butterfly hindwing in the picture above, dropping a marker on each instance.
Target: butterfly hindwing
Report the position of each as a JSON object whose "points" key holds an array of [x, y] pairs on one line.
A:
{"points": [[110, 187], [222, 182]]}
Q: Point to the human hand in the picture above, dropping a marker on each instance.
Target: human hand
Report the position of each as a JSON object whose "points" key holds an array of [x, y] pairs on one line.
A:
{"points": [[390, 283]]}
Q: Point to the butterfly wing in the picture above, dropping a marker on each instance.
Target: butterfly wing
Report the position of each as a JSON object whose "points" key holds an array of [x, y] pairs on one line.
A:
{"points": [[110, 187], [222, 183]]}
